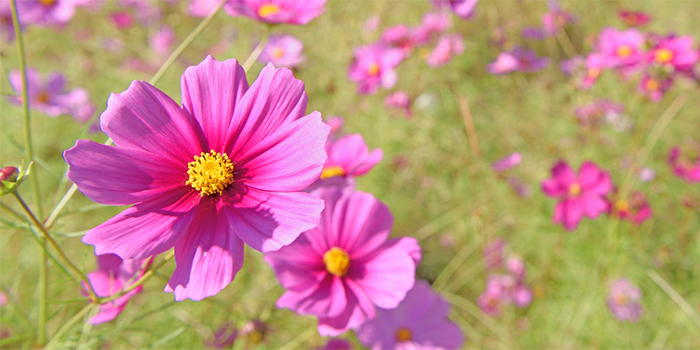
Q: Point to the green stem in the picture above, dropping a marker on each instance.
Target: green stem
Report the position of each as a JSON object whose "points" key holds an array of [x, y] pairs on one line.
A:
{"points": [[67, 325], [41, 332], [256, 53], [53, 242]]}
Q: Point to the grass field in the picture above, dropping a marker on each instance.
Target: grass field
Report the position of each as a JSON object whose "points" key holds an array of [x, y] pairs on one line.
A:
{"points": [[440, 188]]}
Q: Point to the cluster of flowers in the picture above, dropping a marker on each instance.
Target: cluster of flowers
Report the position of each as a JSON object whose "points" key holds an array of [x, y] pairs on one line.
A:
{"points": [[503, 289]]}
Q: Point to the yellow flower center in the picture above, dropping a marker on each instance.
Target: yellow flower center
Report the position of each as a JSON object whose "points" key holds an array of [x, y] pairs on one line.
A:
{"points": [[210, 173], [622, 205], [47, 2], [594, 73], [652, 85], [620, 298], [332, 171], [624, 51], [267, 10], [43, 97], [277, 53], [403, 334], [373, 69], [337, 261], [663, 55], [575, 189]]}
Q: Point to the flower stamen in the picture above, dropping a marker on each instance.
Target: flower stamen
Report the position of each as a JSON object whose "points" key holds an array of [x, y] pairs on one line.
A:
{"points": [[332, 171], [210, 173], [403, 334], [268, 10], [337, 261]]}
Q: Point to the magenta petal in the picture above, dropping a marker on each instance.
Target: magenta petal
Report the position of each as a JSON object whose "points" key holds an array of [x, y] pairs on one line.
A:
{"points": [[389, 274], [145, 118], [210, 92], [275, 98], [289, 159], [267, 221], [573, 213], [594, 205], [553, 188], [352, 317], [326, 299], [298, 267], [121, 176], [563, 173], [146, 229]]}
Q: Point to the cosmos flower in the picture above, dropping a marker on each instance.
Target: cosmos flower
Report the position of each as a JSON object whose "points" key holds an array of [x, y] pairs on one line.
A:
{"points": [[47, 12], [579, 195], [623, 300], [519, 59], [419, 322], [555, 19], [373, 66], [573, 65], [447, 47], [345, 268], [401, 37], [634, 18], [685, 165], [112, 276], [654, 87], [502, 290], [462, 8], [507, 162], [224, 169], [591, 115], [122, 20], [276, 11], [620, 48], [636, 208], [224, 337], [49, 96], [675, 51], [506, 62], [283, 50], [595, 63], [336, 123], [201, 8], [7, 28], [432, 25], [348, 157], [399, 100]]}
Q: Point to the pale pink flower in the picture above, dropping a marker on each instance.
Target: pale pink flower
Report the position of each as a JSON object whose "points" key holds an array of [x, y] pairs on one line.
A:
{"points": [[447, 47], [371, 24], [348, 157], [283, 51], [276, 11], [556, 19], [373, 66], [519, 59], [462, 8], [399, 100], [419, 322], [345, 268], [621, 48], [507, 162], [336, 123], [623, 300], [401, 37], [162, 41], [226, 168], [493, 253], [47, 12], [579, 195], [432, 25], [7, 28], [654, 87], [506, 62]]}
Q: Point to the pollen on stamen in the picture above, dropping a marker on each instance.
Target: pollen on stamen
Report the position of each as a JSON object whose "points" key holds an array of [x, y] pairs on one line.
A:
{"points": [[337, 261], [210, 173]]}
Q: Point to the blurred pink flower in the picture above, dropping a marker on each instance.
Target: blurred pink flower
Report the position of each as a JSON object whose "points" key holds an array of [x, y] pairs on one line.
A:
{"points": [[686, 166], [371, 24], [448, 46], [519, 59], [636, 208], [399, 100], [623, 300], [432, 25], [49, 96], [506, 62], [507, 162], [502, 290], [47, 12], [534, 33], [579, 195], [591, 115], [646, 174], [345, 268], [516, 266], [224, 337], [348, 157], [373, 66], [276, 11], [253, 197], [522, 189], [620, 48], [111, 277], [201, 8], [122, 20], [556, 19], [163, 40], [336, 123], [493, 253], [573, 65], [462, 8], [401, 37], [654, 88], [283, 51], [337, 344], [3, 298], [7, 28], [634, 18], [419, 322], [675, 51], [595, 63]]}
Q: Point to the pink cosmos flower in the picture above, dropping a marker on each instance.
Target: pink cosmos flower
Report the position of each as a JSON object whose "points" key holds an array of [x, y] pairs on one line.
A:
{"points": [[623, 300], [646, 174], [502, 290], [47, 12], [163, 40], [556, 19], [462, 8], [122, 20], [373, 65], [634, 18], [49, 96], [653, 87], [419, 322], [371, 24], [685, 166], [591, 115], [401, 37], [534, 33], [112, 276], [516, 266], [675, 51], [399, 100], [595, 63], [621, 48], [519, 59], [493, 299], [573, 65], [432, 25], [283, 50], [507, 162], [224, 169], [579, 195], [448, 46], [7, 28], [348, 157], [493, 253], [636, 208], [343, 269], [146, 11], [276, 11], [201, 8], [506, 62]]}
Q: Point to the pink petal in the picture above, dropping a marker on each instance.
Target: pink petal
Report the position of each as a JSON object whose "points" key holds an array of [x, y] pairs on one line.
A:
{"points": [[353, 316], [360, 223], [298, 267], [553, 188], [288, 159], [121, 176], [145, 229], [573, 213], [211, 92], [145, 118], [563, 173], [267, 221], [594, 205], [326, 299], [207, 257]]}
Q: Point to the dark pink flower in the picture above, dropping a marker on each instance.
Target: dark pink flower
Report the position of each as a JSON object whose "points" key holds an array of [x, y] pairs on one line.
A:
{"points": [[276, 11], [122, 20], [345, 268], [634, 18], [112, 276], [337, 344], [373, 66], [283, 50], [49, 96], [654, 87], [675, 51], [462, 8], [399, 100], [419, 322], [686, 166], [507, 162], [348, 157], [623, 300], [621, 48], [636, 208], [224, 169], [579, 195], [448, 46]]}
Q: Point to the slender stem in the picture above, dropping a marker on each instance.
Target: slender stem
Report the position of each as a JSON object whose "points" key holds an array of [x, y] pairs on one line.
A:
{"points": [[256, 53], [67, 325], [677, 298], [41, 331], [141, 280], [55, 245]]}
